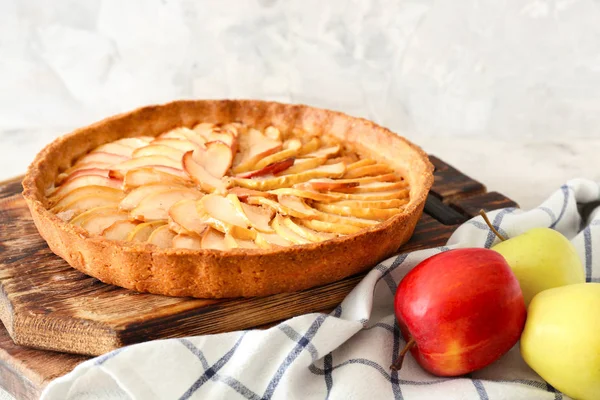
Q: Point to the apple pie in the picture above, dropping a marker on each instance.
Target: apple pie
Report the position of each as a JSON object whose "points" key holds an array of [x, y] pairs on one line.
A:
{"points": [[217, 199]]}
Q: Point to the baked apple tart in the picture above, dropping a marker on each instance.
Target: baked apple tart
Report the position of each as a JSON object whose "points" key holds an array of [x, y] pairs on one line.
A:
{"points": [[217, 199]]}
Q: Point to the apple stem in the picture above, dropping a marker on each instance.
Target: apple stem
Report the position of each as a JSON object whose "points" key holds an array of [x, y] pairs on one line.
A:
{"points": [[487, 221], [398, 363]]}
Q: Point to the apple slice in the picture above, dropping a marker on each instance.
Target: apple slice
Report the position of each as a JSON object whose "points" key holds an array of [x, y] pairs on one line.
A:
{"points": [[115, 148], [225, 136], [391, 203], [367, 179], [308, 213], [135, 142], [182, 145], [98, 222], [103, 210], [325, 152], [142, 232], [375, 187], [235, 243], [297, 204], [102, 157], [282, 230], [212, 239], [309, 234], [119, 230], [307, 194], [369, 170], [159, 150], [84, 180], [254, 216], [312, 145], [187, 242], [222, 209], [339, 219], [361, 163], [255, 146], [215, 158], [201, 176], [333, 227], [244, 193], [85, 203], [304, 164], [269, 240], [85, 191], [162, 237], [122, 168], [156, 206], [290, 149], [204, 129], [185, 214], [270, 169], [387, 195], [148, 176], [366, 213], [176, 133], [327, 184], [273, 133], [63, 177], [334, 170], [133, 199]]}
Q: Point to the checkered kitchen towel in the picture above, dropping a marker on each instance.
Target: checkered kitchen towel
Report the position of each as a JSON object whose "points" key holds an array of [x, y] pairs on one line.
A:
{"points": [[342, 355]]}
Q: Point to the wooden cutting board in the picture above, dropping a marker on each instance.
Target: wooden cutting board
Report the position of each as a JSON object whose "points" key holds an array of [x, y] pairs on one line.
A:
{"points": [[45, 304]]}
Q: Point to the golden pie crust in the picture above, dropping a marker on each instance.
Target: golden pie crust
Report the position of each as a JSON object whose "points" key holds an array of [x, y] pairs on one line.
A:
{"points": [[211, 273]]}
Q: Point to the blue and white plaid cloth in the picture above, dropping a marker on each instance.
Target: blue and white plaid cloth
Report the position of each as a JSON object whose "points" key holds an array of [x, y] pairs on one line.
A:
{"points": [[342, 355]]}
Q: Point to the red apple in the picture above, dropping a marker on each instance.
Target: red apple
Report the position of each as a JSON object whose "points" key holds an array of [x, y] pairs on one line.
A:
{"points": [[459, 311]]}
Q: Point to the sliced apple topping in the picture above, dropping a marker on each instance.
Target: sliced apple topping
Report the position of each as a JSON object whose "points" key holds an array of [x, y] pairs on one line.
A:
{"points": [[281, 209], [333, 227], [286, 233], [182, 145], [215, 158], [83, 192], [227, 186], [290, 150], [304, 164], [201, 176], [81, 181], [156, 206], [62, 178], [119, 170], [185, 214], [271, 169], [213, 239], [310, 234], [142, 232], [98, 222], [149, 176], [254, 146], [222, 209], [334, 170], [270, 240], [182, 241], [103, 210], [162, 237], [365, 213], [133, 198], [159, 150], [369, 170], [255, 216], [119, 230]]}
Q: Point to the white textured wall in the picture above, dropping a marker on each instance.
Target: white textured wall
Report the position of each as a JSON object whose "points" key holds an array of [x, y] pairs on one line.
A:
{"points": [[460, 67]]}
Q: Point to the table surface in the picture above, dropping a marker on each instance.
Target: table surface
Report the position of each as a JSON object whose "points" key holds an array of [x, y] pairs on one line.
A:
{"points": [[525, 170]]}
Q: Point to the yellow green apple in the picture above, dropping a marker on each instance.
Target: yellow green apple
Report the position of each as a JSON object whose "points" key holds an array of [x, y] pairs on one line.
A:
{"points": [[541, 258], [561, 340]]}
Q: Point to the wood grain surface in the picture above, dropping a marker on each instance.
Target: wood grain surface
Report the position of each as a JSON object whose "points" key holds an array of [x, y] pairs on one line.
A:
{"points": [[47, 305]]}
